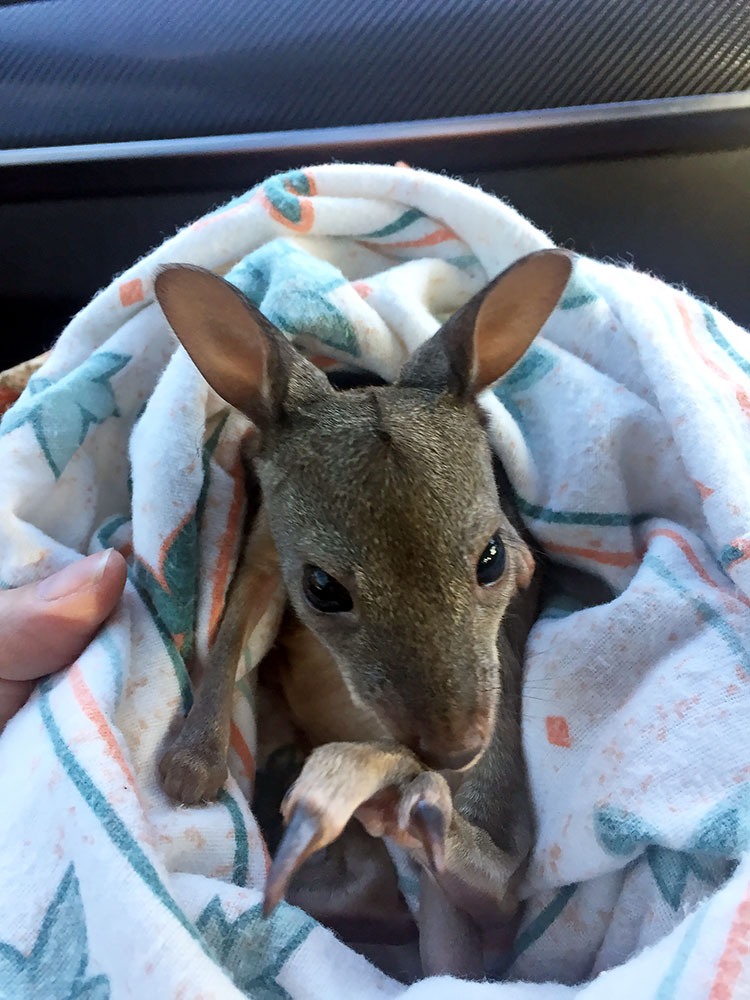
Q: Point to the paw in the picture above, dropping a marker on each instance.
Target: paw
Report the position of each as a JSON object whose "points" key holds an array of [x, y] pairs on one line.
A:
{"points": [[425, 813], [339, 777], [416, 817], [304, 835], [191, 775], [336, 779]]}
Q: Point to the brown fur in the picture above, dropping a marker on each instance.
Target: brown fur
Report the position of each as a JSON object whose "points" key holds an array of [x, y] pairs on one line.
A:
{"points": [[392, 491]]}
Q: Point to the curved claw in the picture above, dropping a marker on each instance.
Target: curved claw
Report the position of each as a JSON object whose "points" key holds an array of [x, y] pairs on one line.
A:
{"points": [[301, 838], [429, 824]]}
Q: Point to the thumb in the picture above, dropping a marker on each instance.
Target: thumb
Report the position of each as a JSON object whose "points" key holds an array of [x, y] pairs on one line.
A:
{"points": [[45, 626]]}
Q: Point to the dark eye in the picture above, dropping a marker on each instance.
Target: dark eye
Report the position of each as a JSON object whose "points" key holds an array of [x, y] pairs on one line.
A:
{"points": [[491, 562], [324, 593]]}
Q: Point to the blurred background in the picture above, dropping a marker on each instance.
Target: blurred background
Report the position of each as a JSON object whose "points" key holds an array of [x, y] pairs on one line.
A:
{"points": [[621, 127]]}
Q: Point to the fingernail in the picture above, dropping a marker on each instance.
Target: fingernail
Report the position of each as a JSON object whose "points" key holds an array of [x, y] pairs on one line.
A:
{"points": [[80, 575]]}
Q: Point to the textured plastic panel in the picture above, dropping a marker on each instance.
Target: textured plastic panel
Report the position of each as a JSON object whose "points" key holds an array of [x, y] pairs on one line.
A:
{"points": [[85, 71]]}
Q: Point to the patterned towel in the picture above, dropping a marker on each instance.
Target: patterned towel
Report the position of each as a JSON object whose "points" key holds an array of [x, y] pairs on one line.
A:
{"points": [[625, 434]]}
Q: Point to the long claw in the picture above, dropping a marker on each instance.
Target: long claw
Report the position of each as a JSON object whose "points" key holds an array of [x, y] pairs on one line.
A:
{"points": [[429, 823], [301, 838]]}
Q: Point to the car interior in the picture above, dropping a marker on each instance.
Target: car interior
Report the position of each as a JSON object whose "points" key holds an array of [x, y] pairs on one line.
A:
{"points": [[620, 128]]}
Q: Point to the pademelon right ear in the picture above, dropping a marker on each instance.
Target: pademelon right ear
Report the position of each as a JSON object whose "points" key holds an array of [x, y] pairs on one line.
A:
{"points": [[487, 336]]}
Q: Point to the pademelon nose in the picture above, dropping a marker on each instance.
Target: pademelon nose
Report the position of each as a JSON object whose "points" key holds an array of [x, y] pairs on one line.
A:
{"points": [[442, 758]]}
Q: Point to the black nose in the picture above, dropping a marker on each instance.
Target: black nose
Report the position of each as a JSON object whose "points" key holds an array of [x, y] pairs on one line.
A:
{"points": [[440, 759]]}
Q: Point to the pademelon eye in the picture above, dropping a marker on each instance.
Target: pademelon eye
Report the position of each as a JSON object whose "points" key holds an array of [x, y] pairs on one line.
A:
{"points": [[324, 592], [491, 562]]}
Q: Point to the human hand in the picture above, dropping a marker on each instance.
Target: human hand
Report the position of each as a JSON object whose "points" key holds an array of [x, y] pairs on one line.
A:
{"points": [[45, 626]]}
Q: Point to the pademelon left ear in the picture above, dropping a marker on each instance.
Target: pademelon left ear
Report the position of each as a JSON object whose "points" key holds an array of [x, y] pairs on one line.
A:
{"points": [[241, 354]]}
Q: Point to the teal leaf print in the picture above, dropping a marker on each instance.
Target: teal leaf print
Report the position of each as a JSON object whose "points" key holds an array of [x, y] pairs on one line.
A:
{"points": [[56, 967], [620, 832], [725, 830], [730, 554], [252, 949], [542, 922], [284, 200], [670, 870], [537, 362], [61, 412], [720, 834], [110, 528], [94, 989], [171, 594], [532, 368], [577, 293], [291, 286], [404, 220]]}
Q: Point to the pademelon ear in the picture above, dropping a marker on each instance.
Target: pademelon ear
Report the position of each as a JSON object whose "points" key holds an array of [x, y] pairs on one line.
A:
{"points": [[487, 336], [242, 355]]}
